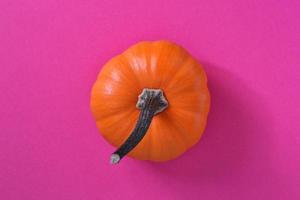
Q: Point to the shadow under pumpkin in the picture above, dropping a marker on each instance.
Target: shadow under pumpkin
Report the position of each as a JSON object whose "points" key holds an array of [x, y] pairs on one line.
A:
{"points": [[234, 142]]}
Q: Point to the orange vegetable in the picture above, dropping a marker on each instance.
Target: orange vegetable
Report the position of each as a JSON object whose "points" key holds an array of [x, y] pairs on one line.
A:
{"points": [[151, 101]]}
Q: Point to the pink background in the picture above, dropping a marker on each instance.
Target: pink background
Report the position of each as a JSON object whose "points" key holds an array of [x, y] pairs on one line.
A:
{"points": [[51, 52]]}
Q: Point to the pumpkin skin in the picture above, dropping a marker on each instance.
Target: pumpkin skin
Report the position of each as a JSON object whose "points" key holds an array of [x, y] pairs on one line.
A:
{"points": [[159, 65]]}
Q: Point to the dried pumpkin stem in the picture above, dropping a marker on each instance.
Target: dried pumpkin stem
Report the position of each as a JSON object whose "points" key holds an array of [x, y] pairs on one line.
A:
{"points": [[150, 102]]}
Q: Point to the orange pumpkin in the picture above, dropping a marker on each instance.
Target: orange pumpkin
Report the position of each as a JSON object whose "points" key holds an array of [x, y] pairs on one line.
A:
{"points": [[151, 101]]}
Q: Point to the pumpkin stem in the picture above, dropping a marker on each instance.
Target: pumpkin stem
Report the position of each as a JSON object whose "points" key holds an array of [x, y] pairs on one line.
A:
{"points": [[150, 102]]}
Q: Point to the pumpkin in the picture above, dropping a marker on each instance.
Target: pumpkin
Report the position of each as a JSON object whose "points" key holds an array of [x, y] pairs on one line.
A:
{"points": [[151, 102]]}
